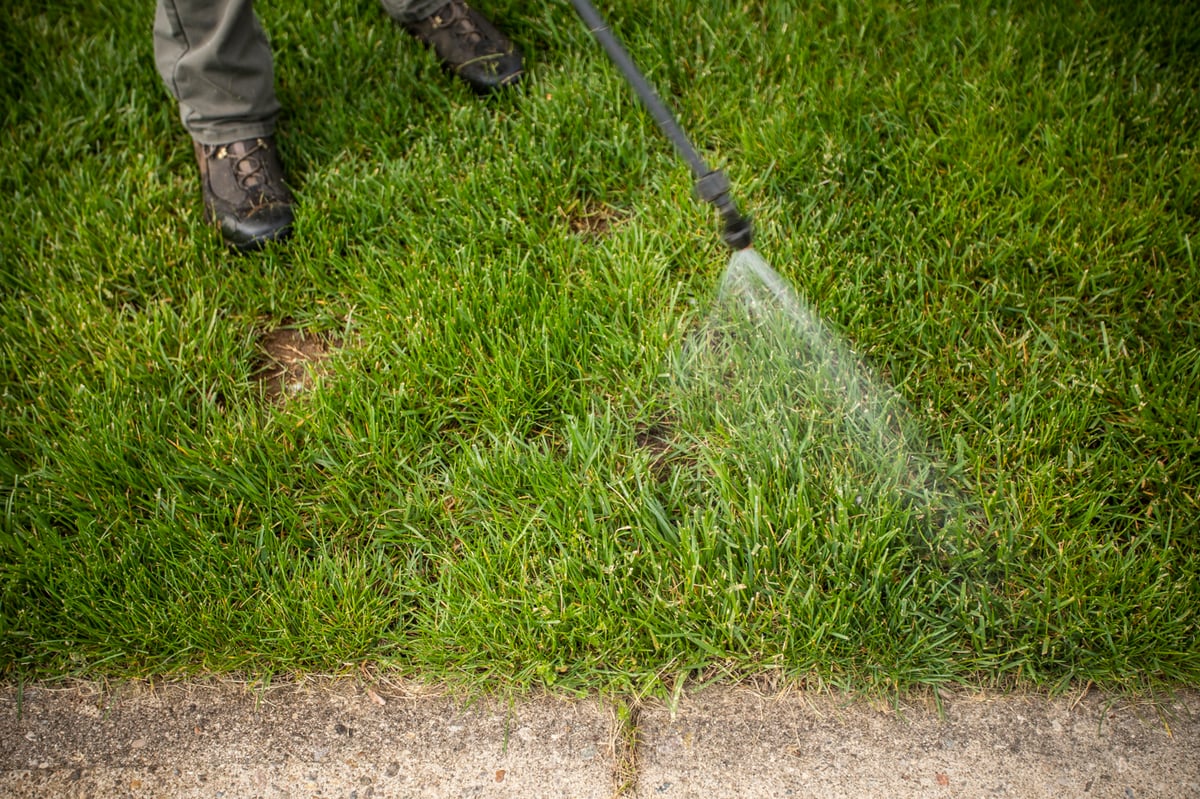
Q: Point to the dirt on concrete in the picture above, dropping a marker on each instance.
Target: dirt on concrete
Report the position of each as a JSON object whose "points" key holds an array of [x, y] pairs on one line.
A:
{"points": [[354, 739], [313, 739], [739, 743]]}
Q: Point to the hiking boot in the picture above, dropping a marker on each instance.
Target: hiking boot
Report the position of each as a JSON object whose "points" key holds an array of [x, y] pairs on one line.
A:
{"points": [[244, 192], [470, 46]]}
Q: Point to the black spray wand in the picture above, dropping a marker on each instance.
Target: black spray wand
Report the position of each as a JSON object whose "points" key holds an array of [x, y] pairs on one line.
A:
{"points": [[711, 184]]}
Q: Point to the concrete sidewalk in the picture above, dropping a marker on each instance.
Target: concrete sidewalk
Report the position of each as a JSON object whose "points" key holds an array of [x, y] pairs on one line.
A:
{"points": [[344, 739]]}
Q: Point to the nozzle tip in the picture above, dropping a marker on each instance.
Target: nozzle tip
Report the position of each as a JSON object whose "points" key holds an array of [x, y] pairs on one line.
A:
{"points": [[737, 233]]}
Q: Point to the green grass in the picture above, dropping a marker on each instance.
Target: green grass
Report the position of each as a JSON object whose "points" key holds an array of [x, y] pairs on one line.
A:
{"points": [[510, 474]]}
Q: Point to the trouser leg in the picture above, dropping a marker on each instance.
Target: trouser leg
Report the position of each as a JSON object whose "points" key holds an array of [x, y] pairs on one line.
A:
{"points": [[411, 10], [214, 58]]}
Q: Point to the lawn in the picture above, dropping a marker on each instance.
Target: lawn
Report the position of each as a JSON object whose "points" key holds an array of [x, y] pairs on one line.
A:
{"points": [[960, 443]]}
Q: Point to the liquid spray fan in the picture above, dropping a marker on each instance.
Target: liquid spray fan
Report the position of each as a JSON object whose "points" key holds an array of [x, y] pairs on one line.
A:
{"points": [[711, 184]]}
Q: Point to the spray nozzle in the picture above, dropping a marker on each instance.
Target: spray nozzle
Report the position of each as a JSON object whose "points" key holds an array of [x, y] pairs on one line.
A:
{"points": [[737, 232], [714, 188]]}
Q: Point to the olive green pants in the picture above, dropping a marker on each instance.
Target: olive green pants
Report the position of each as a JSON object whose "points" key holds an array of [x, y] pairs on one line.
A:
{"points": [[214, 57]]}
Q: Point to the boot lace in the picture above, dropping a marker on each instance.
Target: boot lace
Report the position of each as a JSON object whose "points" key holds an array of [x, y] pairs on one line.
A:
{"points": [[250, 168], [454, 14]]}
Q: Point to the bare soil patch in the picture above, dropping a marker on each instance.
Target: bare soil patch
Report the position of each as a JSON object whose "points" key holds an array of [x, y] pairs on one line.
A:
{"points": [[291, 361], [591, 220]]}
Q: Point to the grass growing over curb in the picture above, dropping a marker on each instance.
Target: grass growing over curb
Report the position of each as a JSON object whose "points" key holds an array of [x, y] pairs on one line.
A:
{"points": [[496, 480]]}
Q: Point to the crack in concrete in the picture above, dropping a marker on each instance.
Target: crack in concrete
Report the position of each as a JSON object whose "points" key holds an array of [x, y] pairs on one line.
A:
{"points": [[626, 745]]}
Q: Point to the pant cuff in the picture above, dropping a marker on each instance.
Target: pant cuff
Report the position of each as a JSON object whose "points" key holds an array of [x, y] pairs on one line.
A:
{"points": [[225, 134]]}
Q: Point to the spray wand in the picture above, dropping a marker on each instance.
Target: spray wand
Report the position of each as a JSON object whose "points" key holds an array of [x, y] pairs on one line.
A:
{"points": [[711, 184]]}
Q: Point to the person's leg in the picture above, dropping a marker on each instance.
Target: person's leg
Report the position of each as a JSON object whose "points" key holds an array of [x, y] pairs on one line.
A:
{"points": [[215, 60], [466, 42], [404, 11]]}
